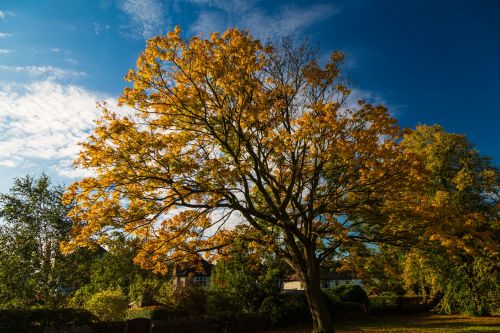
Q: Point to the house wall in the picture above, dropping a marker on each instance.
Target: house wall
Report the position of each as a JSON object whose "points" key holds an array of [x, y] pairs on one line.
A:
{"points": [[297, 285], [293, 285], [183, 281]]}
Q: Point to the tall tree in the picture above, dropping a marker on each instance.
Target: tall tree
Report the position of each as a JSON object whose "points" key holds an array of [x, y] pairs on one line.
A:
{"points": [[34, 222], [457, 255], [227, 128]]}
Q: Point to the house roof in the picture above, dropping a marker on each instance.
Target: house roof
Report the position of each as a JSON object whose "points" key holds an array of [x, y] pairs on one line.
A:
{"points": [[347, 275], [194, 268]]}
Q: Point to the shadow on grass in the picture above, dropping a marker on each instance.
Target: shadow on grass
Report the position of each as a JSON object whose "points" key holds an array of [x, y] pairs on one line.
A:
{"points": [[425, 323], [422, 323]]}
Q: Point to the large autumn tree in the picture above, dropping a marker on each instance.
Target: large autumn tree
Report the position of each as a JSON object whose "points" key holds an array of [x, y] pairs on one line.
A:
{"points": [[227, 129]]}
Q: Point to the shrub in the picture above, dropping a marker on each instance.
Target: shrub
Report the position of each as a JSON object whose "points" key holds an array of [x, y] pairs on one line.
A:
{"points": [[220, 303], [108, 305], [349, 293], [191, 301], [383, 304], [399, 304], [286, 309], [82, 296], [341, 311], [148, 312], [187, 301], [142, 292], [165, 294]]}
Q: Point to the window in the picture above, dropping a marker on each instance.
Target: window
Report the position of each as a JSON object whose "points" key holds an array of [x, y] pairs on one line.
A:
{"points": [[201, 280]]}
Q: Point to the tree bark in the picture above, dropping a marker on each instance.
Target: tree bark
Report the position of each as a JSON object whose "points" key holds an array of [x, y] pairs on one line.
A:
{"points": [[322, 321]]}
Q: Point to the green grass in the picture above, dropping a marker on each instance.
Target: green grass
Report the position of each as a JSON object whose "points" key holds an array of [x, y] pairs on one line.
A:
{"points": [[431, 323]]}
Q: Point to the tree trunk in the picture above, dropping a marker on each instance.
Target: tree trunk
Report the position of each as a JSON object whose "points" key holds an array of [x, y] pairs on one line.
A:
{"points": [[322, 321]]}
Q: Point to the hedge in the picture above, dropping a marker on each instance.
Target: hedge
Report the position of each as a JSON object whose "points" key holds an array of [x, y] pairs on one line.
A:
{"points": [[31, 320], [399, 304], [292, 309], [148, 312]]}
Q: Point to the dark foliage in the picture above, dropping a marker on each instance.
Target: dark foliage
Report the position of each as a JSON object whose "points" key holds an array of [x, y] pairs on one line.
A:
{"points": [[349, 293], [30, 320]]}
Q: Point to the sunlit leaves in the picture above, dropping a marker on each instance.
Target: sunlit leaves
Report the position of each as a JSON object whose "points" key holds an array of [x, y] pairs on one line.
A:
{"points": [[227, 129]]}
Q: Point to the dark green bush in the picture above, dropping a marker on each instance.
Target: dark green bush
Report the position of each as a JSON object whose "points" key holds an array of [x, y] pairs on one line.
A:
{"points": [[33, 319], [293, 309], [399, 304], [220, 303], [286, 309], [189, 301], [342, 311], [148, 312], [349, 293], [383, 304]]}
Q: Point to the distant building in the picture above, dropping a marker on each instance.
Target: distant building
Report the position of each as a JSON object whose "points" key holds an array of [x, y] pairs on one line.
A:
{"points": [[328, 280], [195, 273]]}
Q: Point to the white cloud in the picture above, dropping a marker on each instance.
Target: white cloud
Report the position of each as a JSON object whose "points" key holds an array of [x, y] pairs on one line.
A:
{"points": [[4, 51], [4, 14], [4, 34], [147, 16], [8, 163], [48, 72], [55, 50], [43, 122], [289, 20], [218, 15], [362, 94], [208, 22], [374, 99], [230, 6]]}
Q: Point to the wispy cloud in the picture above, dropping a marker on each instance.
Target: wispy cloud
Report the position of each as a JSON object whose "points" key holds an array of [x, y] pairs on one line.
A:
{"points": [[100, 28], [8, 163], [43, 122], [218, 15], [148, 17], [375, 99], [5, 13], [4, 51], [48, 72], [71, 61], [289, 20], [4, 34]]}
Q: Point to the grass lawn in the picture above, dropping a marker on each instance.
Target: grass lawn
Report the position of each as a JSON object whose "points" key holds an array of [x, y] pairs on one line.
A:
{"points": [[431, 323]]}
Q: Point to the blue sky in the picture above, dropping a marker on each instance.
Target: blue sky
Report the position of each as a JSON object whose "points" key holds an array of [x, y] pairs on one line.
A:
{"points": [[428, 61]]}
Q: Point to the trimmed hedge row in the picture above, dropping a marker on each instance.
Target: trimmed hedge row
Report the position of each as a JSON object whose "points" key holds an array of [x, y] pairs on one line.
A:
{"points": [[148, 312], [25, 319], [242, 323], [399, 304], [293, 309], [44, 320]]}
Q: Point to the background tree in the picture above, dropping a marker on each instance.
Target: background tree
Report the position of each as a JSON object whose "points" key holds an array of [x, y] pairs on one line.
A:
{"points": [[227, 128], [456, 258], [113, 269], [248, 276], [380, 268], [32, 269]]}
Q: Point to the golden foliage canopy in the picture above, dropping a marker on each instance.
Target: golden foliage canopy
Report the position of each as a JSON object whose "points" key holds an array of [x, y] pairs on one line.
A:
{"points": [[227, 127]]}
